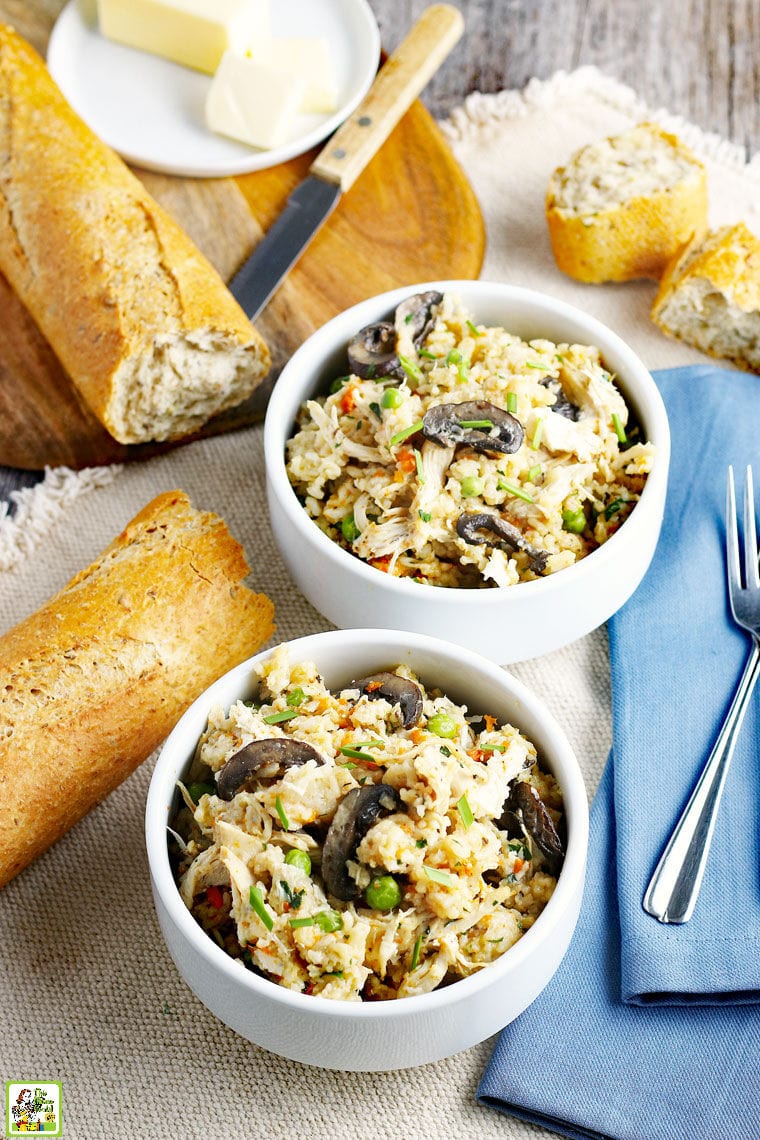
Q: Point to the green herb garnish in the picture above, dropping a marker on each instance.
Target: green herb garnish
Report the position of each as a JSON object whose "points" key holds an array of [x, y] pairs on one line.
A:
{"points": [[425, 515], [438, 876], [400, 436], [418, 465], [473, 328], [619, 429], [281, 814], [279, 717], [297, 923], [295, 898], [416, 953], [295, 698], [511, 401], [357, 754], [536, 440], [465, 812], [484, 425], [518, 492], [256, 899], [413, 371]]}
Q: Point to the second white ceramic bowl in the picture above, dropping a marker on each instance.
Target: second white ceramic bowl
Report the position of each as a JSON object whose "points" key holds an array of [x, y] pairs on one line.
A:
{"points": [[507, 624], [398, 1033]]}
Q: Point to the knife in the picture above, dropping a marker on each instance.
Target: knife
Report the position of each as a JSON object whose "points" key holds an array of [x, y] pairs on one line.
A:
{"points": [[338, 165]]}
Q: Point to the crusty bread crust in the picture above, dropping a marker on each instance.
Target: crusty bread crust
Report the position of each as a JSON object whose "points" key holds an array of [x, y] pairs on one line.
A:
{"points": [[104, 271], [710, 295], [633, 238], [94, 681]]}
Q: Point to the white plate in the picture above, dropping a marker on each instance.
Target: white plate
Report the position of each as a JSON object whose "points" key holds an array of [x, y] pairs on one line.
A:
{"points": [[151, 110]]}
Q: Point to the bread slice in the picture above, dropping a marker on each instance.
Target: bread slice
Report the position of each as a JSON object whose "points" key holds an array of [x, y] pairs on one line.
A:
{"points": [[710, 296], [140, 320], [94, 681], [622, 207]]}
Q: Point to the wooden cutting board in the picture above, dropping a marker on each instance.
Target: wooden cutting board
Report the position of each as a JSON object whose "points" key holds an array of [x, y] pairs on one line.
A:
{"points": [[410, 217]]}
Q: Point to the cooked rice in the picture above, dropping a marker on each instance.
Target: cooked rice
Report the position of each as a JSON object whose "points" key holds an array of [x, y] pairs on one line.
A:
{"points": [[571, 484], [485, 889]]}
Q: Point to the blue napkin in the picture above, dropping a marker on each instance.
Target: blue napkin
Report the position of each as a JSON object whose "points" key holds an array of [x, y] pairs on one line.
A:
{"points": [[676, 658], [583, 1060]]}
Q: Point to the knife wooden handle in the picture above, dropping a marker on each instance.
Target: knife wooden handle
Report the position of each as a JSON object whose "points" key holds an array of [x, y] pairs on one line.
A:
{"points": [[397, 85]]}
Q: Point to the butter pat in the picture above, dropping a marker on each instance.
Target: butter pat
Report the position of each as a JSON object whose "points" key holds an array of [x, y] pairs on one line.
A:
{"points": [[253, 102], [308, 58], [195, 33]]}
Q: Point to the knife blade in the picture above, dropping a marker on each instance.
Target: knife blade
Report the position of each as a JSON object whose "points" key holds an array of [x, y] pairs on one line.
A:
{"points": [[337, 166]]}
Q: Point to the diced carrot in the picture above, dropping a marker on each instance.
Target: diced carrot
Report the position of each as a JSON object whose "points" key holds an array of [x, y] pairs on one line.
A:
{"points": [[215, 897], [406, 461], [417, 735], [347, 401], [381, 563], [478, 755], [490, 721], [518, 865]]}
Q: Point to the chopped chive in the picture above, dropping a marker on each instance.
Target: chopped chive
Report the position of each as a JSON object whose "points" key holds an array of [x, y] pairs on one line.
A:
{"points": [[338, 383], [195, 791], [530, 364], [533, 473], [558, 356], [278, 718], [465, 812], [425, 515], [349, 764], [484, 424], [295, 698], [416, 953], [357, 754], [518, 492], [619, 429], [438, 876], [427, 355], [375, 409], [256, 899], [400, 436], [446, 751], [492, 747], [408, 318], [369, 744], [511, 401], [536, 440], [454, 357], [418, 465], [473, 329], [296, 923], [348, 528], [281, 813], [421, 843], [295, 898], [613, 508], [413, 371]]}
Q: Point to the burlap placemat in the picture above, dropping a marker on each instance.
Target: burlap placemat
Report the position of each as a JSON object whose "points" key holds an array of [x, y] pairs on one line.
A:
{"points": [[89, 994]]}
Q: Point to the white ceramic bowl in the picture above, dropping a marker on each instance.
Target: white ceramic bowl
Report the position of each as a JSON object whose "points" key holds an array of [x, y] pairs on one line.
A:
{"points": [[408, 1031], [507, 624]]}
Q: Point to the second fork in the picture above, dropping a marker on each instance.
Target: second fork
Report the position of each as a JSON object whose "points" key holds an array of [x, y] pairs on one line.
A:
{"points": [[674, 886]]}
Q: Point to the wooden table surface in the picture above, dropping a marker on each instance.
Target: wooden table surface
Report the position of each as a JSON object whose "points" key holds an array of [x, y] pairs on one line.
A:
{"points": [[698, 58]]}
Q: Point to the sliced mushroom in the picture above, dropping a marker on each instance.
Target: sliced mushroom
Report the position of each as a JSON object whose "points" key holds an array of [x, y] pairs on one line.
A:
{"points": [[444, 424], [374, 350], [525, 813], [356, 814], [397, 690], [414, 317], [262, 759], [475, 528], [562, 405]]}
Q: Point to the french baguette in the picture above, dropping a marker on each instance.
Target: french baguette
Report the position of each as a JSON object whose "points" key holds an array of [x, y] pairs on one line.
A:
{"points": [[143, 324], [95, 679], [623, 206], [710, 296]]}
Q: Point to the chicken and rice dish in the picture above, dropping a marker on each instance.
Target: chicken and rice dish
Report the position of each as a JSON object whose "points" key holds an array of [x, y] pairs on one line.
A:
{"points": [[364, 844], [457, 454]]}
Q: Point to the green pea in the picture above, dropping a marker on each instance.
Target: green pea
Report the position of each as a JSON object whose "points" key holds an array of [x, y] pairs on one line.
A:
{"points": [[349, 529], [329, 921], [574, 521], [470, 486], [392, 398], [383, 893], [298, 858], [197, 790], [441, 724]]}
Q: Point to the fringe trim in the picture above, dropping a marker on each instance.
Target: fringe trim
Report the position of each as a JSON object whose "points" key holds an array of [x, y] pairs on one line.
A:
{"points": [[38, 508], [479, 110]]}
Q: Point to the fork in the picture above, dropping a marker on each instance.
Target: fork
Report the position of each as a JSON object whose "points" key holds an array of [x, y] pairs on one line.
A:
{"points": [[674, 886]]}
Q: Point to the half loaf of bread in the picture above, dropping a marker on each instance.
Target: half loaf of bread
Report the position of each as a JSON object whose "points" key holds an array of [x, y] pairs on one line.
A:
{"points": [[710, 296], [143, 324], [622, 207], [94, 681]]}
